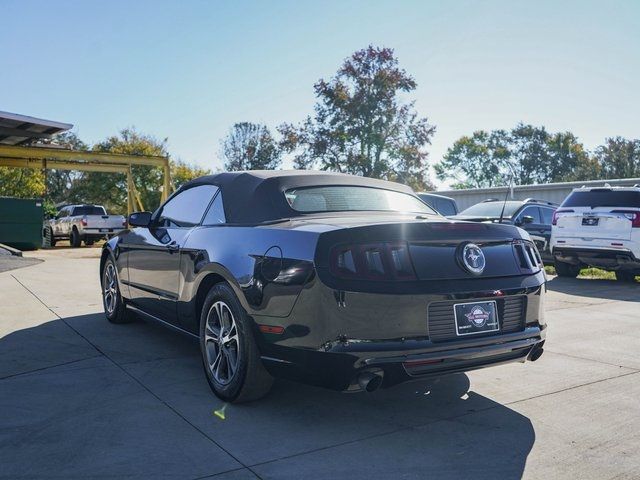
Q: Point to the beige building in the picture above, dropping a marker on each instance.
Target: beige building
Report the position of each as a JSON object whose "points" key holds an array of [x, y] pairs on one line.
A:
{"points": [[551, 192]]}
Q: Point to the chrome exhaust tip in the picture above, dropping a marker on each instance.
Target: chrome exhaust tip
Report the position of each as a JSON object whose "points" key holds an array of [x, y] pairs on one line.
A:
{"points": [[369, 381]]}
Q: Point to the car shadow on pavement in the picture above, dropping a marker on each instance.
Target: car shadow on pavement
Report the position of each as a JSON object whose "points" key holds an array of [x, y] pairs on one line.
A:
{"points": [[82, 397], [596, 288]]}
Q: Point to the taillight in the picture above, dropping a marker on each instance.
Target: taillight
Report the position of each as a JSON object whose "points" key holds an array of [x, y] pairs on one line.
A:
{"points": [[556, 214], [528, 256], [84, 222], [372, 261], [630, 215]]}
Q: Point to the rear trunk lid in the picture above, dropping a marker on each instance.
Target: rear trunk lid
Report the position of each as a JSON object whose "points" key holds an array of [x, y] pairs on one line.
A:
{"points": [[434, 248], [103, 221]]}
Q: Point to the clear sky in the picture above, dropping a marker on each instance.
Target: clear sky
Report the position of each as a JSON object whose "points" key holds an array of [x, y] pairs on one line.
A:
{"points": [[188, 70]]}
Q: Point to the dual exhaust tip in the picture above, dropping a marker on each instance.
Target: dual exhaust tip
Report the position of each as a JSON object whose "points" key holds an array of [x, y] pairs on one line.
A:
{"points": [[370, 381]]}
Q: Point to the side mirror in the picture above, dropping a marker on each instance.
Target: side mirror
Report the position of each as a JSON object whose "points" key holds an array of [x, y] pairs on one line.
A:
{"points": [[526, 219], [140, 219]]}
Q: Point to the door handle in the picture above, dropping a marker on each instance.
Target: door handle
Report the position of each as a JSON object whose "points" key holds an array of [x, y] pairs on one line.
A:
{"points": [[173, 247]]}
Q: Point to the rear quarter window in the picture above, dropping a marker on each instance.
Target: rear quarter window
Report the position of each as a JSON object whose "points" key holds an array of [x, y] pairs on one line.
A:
{"points": [[603, 198]]}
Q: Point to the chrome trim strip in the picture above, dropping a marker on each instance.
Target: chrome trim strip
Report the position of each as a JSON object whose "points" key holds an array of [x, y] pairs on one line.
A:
{"points": [[272, 359], [153, 291]]}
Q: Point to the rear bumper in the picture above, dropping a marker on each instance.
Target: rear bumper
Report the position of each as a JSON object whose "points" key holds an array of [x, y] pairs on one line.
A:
{"points": [[330, 340], [616, 259], [98, 232], [339, 369]]}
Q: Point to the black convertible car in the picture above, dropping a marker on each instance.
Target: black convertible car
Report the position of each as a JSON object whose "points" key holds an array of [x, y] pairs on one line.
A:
{"points": [[335, 280]]}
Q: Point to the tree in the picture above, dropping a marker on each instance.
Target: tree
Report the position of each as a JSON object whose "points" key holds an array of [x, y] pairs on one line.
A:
{"points": [[110, 189], [60, 182], [619, 158], [21, 182], [250, 146], [530, 154], [30, 183], [361, 126], [477, 161], [569, 161], [182, 172]]}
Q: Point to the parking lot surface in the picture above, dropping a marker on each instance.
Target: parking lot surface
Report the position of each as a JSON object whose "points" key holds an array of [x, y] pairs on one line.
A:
{"points": [[82, 398]]}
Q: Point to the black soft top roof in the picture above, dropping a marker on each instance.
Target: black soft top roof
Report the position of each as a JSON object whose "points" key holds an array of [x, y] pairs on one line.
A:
{"points": [[257, 196]]}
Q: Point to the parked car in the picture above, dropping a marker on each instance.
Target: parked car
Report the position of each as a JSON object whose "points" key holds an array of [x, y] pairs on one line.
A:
{"points": [[534, 216], [598, 227], [88, 223], [446, 206], [336, 280]]}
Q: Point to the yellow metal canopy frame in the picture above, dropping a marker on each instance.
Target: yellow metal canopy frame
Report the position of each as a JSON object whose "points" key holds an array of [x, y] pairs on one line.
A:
{"points": [[61, 159]]}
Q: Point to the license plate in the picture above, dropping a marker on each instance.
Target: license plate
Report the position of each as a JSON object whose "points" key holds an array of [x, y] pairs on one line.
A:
{"points": [[105, 230], [476, 317], [590, 221]]}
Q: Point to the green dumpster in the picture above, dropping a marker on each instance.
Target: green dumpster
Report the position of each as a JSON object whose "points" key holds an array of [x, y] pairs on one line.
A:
{"points": [[21, 222]]}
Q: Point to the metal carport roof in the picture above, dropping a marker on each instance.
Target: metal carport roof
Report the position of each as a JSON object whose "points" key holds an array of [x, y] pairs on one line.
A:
{"points": [[19, 129]]}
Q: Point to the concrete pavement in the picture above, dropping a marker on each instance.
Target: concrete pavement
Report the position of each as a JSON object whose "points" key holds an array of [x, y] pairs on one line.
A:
{"points": [[81, 398]]}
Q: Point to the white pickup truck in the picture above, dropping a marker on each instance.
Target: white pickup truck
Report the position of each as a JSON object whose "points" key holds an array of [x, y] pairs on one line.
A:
{"points": [[88, 223]]}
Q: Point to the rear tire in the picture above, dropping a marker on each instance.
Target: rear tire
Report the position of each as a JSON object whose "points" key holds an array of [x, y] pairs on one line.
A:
{"points": [[114, 306], [233, 368], [626, 276], [74, 238], [567, 269]]}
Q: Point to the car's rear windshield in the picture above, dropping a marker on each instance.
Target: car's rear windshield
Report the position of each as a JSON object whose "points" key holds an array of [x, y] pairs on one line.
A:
{"points": [[88, 210], [603, 198], [345, 198], [491, 209]]}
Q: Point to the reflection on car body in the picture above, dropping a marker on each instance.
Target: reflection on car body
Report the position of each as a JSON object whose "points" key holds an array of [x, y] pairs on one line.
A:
{"points": [[334, 280]]}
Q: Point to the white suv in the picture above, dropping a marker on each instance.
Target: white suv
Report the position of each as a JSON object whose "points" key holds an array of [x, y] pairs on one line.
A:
{"points": [[598, 227]]}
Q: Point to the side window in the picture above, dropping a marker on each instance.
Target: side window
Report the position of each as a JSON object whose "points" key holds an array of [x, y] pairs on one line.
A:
{"points": [[187, 207], [547, 215], [215, 214], [532, 212]]}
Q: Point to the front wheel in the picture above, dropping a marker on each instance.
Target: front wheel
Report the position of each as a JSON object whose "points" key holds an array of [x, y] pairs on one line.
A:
{"points": [[625, 276], [567, 269], [230, 356]]}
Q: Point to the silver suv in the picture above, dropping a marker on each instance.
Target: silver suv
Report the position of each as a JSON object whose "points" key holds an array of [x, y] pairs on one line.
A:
{"points": [[598, 227]]}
